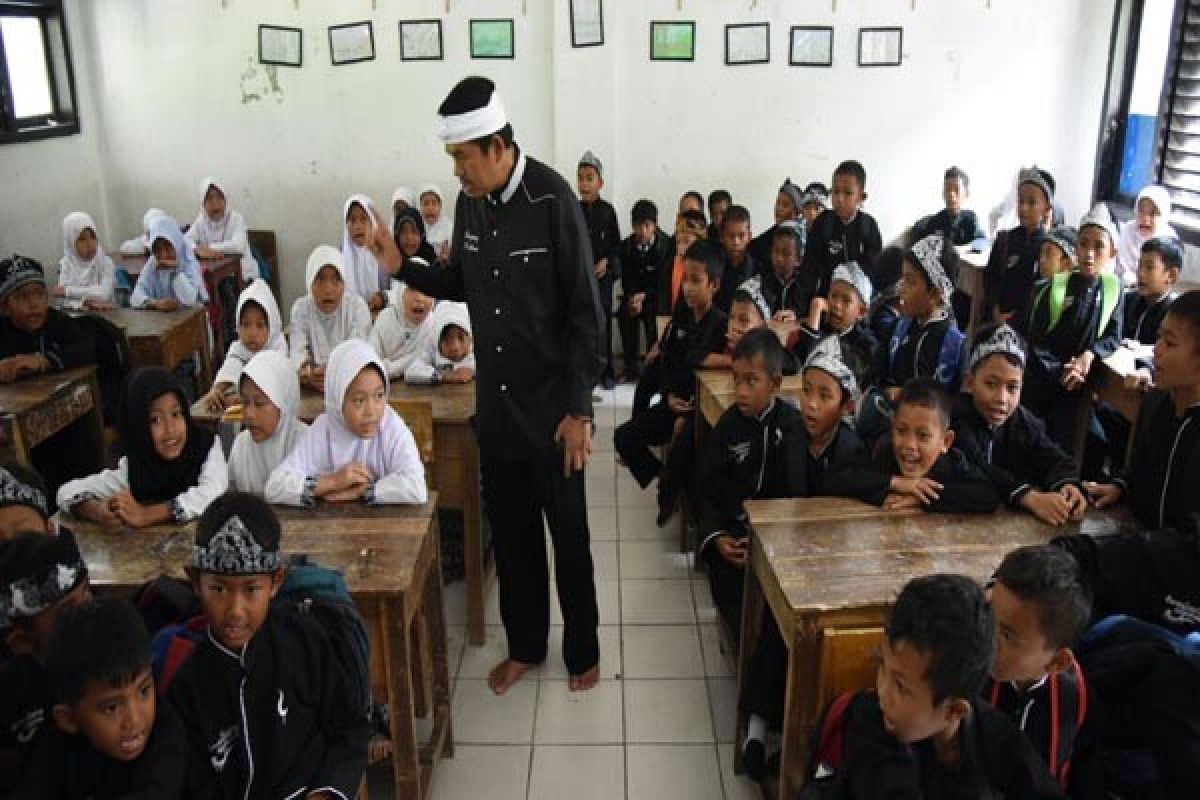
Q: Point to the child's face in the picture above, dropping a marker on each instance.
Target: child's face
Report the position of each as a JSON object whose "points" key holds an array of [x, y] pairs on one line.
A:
{"points": [[416, 306], [785, 209], [784, 257], [589, 183], [845, 307], [431, 207], [1052, 260], [1176, 354], [455, 343], [735, 238], [846, 196], [398, 207], [1032, 206], [697, 288], [168, 427], [917, 297], [743, 316], [260, 416], [995, 387], [117, 720], [22, 519], [821, 403], [1022, 652], [716, 211], [236, 605], [953, 193], [327, 289], [1154, 279], [689, 201], [685, 237], [30, 636], [359, 224], [919, 438], [164, 253], [905, 696], [365, 403], [27, 307], [1095, 250], [214, 203], [753, 388], [643, 232], [253, 328], [1147, 216], [409, 238], [810, 212], [86, 245]]}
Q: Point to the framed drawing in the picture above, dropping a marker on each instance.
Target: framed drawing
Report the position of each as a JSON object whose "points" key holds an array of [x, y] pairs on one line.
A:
{"points": [[880, 47], [587, 23], [810, 46], [748, 43], [492, 38], [351, 43], [420, 40], [672, 41], [280, 46]]}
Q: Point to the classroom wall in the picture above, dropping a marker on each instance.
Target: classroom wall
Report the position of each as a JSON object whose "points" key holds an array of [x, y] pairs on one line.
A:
{"points": [[183, 96]]}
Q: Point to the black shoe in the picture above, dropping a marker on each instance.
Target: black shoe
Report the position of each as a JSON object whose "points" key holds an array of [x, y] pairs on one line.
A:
{"points": [[668, 499], [754, 760]]}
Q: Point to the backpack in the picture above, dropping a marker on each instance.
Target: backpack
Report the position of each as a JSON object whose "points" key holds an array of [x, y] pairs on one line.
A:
{"points": [[828, 750], [1055, 292], [1067, 712], [949, 360]]}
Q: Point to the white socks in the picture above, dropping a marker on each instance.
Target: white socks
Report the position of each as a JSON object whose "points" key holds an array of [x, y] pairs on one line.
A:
{"points": [[756, 730]]}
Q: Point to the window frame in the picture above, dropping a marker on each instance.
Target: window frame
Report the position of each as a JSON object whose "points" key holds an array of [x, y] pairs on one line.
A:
{"points": [[64, 120]]}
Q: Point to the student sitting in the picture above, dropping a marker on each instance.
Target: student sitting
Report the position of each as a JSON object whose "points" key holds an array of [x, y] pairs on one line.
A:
{"points": [[446, 354], [268, 707], [171, 277], [719, 201], [1151, 220], [140, 244], [842, 315], [779, 283], [219, 231], [1076, 318], [885, 309], [408, 230], [1059, 253], [1002, 438], [1041, 608], [958, 225], [24, 501], [920, 467], [259, 329], [694, 338], [34, 338], [86, 275], [1011, 269], [843, 233], [690, 199], [642, 257], [605, 235], [118, 742], [172, 468], [40, 577], [359, 449], [270, 398], [813, 202], [438, 225], [738, 266], [689, 227], [362, 272], [402, 198], [787, 209], [325, 317], [923, 732], [1158, 271], [400, 329]]}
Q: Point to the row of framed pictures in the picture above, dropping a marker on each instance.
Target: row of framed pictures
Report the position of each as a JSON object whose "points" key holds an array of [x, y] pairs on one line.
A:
{"points": [[750, 43], [420, 40]]}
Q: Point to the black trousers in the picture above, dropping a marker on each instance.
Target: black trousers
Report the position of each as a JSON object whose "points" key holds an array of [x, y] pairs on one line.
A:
{"points": [[628, 324], [517, 495], [606, 293], [633, 440], [726, 582], [647, 386]]}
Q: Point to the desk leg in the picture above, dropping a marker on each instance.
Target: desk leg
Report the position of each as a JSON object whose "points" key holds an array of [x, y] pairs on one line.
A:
{"points": [[753, 608], [474, 555], [406, 767], [94, 425], [798, 713], [12, 442], [433, 614]]}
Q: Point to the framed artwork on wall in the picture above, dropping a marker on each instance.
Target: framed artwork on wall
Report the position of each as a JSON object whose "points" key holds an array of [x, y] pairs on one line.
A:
{"points": [[672, 41], [420, 40], [492, 38], [587, 23], [880, 47], [351, 43], [810, 46], [280, 46], [748, 43]]}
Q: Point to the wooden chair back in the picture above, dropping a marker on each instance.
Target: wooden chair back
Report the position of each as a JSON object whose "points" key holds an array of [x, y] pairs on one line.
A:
{"points": [[418, 416], [848, 661]]}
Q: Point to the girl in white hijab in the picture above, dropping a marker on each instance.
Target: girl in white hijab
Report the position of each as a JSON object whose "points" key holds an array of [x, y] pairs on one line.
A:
{"points": [[364, 275], [171, 277], [359, 449], [438, 225], [325, 317], [219, 231], [259, 328], [271, 428], [140, 244], [1151, 214], [403, 196], [86, 275]]}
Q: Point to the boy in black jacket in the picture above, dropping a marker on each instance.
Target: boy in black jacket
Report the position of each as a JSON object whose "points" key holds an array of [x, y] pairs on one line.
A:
{"points": [[605, 235], [24, 501], [119, 745], [842, 315], [641, 257], [1005, 440], [267, 706], [737, 263], [1012, 264], [958, 225], [843, 233], [780, 283], [788, 200], [1159, 266]]}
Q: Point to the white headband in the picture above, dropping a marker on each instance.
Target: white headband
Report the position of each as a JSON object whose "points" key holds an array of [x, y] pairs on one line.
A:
{"points": [[459, 128]]}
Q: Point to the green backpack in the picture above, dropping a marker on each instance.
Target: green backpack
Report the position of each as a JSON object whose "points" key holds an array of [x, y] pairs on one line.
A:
{"points": [[1055, 291]]}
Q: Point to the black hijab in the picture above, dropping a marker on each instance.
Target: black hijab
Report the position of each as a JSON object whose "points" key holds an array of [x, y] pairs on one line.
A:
{"points": [[412, 215], [151, 479]]}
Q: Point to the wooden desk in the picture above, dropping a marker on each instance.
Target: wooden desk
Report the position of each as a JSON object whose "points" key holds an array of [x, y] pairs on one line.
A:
{"points": [[828, 569], [970, 282], [714, 392], [455, 475], [389, 557], [34, 409], [164, 338]]}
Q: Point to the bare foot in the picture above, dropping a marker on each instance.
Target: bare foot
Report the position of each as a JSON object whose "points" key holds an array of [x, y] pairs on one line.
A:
{"points": [[588, 680], [506, 673]]}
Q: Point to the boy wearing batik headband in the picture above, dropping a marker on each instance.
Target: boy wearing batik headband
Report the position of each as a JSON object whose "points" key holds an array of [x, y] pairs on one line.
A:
{"points": [[34, 338], [40, 576], [787, 209], [842, 315], [1007, 442], [268, 709], [23, 502], [1012, 266], [605, 234], [1058, 252]]}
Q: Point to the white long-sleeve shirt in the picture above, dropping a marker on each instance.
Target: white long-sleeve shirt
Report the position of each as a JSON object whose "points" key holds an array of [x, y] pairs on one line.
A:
{"points": [[397, 341], [235, 241]]}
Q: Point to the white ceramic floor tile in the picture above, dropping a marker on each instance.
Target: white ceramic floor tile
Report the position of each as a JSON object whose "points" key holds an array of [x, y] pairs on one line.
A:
{"points": [[655, 772], [661, 651], [722, 693], [456, 642], [637, 523], [454, 600], [602, 523], [481, 717], [667, 712], [610, 654], [656, 602], [737, 787], [602, 437], [594, 772], [497, 773], [604, 561], [630, 494], [607, 602], [706, 611], [716, 663], [591, 717], [654, 559], [477, 662]]}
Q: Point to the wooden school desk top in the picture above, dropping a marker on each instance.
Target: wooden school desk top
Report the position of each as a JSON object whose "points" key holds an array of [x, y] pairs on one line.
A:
{"points": [[21, 396], [138, 322], [714, 391]]}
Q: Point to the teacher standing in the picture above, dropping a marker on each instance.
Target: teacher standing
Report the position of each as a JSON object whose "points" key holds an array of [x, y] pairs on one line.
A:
{"points": [[521, 259]]}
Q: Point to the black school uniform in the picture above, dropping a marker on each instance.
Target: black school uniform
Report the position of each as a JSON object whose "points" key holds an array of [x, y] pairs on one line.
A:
{"points": [[920, 350], [760, 246], [61, 340], [157, 774], [25, 705], [965, 488], [605, 234], [782, 295], [959, 229], [1016, 455], [860, 349], [1050, 714], [832, 242], [1011, 272], [685, 343], [1162, 485], [641, 266], [883, 318], [276, 720], [1141, 317], [996, 760], [734, 276]]}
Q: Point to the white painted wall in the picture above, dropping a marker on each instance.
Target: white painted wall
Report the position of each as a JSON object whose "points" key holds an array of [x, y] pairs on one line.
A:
{"points": [[987, 89]]}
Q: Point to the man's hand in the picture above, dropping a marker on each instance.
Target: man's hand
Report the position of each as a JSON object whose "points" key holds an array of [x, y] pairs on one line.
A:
{"points": [[383, 245], [733, 550], [575, 434]]}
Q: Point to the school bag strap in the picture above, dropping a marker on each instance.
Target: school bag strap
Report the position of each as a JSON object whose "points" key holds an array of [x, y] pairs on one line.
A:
{"points": [[1055, 292], [949, 362], [170, 649], [829, 747]]}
